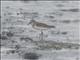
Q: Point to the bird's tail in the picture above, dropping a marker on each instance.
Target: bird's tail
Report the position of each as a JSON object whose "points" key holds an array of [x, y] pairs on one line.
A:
{"points": [[52, 27]]}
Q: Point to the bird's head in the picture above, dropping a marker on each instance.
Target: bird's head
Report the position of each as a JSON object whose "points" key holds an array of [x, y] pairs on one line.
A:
{"points": [[32, 21]]}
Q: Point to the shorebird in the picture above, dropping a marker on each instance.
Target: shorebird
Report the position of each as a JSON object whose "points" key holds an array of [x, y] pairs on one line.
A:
{"points": [[40, 26]]}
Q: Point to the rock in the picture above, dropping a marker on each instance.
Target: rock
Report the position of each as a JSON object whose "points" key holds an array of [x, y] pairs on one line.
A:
{"points": [[30, 56], [3, 37], [64, 33], [9, 34], [66, 21], [26, 39]]}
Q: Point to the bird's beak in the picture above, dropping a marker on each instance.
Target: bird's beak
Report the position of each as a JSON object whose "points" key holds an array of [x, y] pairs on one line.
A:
{"points": [[29, 23]]}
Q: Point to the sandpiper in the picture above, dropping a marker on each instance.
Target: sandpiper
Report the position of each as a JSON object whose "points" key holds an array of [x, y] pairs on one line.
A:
{"points": [[40, 26]]}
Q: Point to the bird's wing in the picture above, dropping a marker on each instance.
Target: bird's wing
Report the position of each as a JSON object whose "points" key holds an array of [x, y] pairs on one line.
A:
{"points": [[41, 25]]}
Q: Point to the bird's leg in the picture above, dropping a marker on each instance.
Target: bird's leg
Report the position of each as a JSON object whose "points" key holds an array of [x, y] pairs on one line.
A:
{"points": [[41, 35], [23, 16]]}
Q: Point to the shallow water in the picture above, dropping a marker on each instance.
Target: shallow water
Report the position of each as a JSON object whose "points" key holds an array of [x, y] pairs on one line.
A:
{"points": [[44, 10]]}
